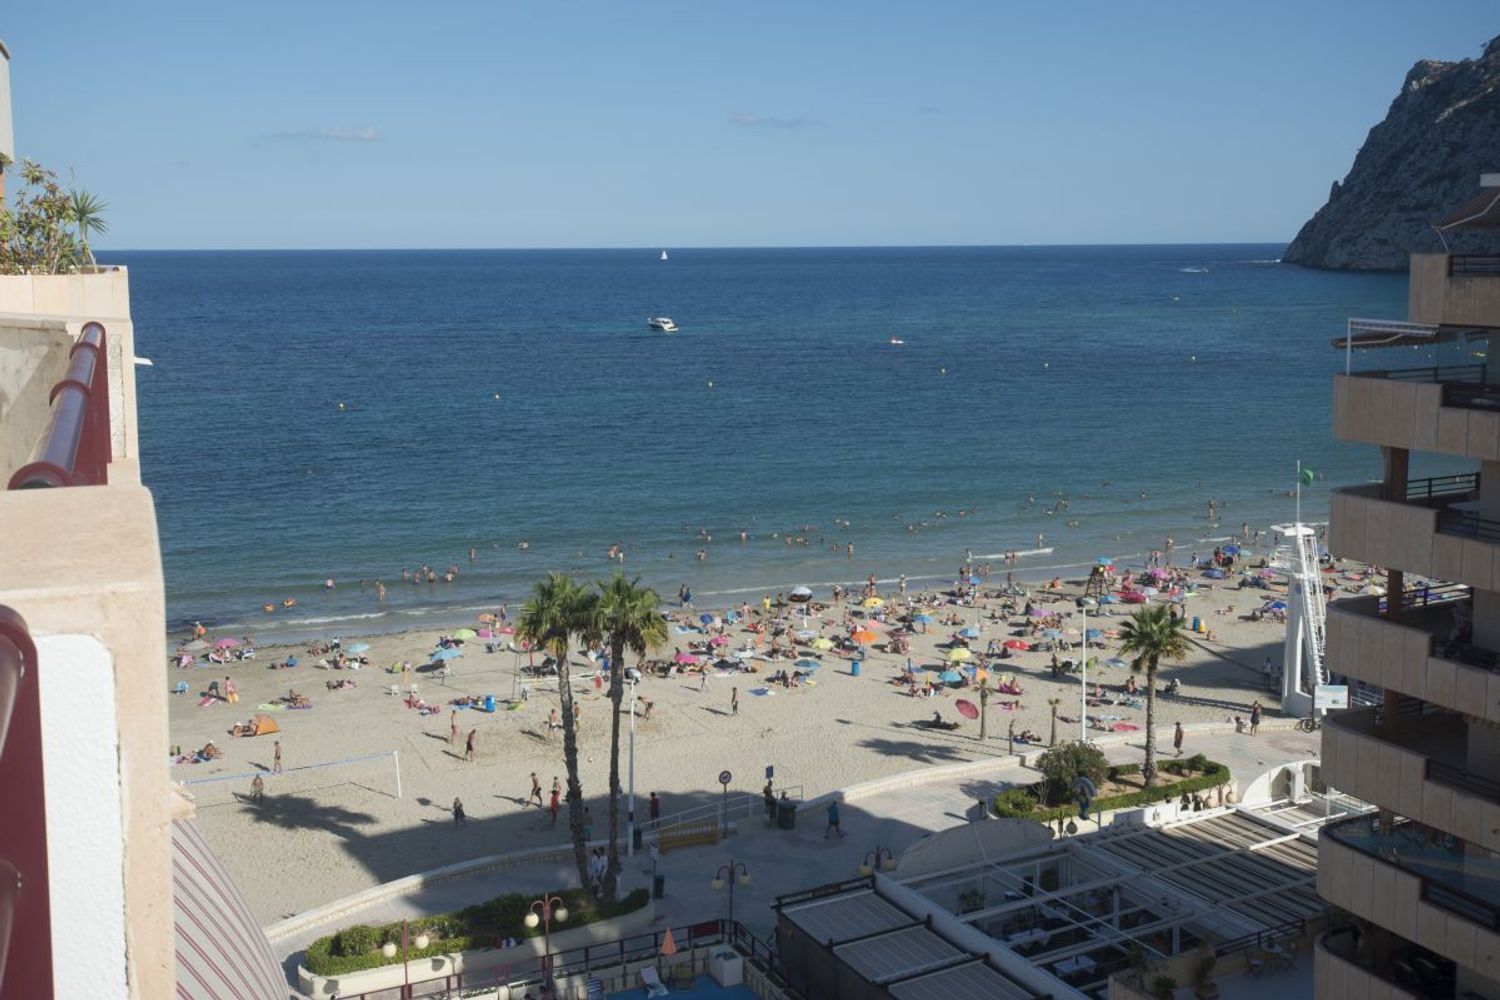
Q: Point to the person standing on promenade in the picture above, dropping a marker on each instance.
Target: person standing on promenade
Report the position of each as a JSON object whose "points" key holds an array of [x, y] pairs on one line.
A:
{"points": [[276, 758], [458, 811], [655, 811], [734, 701], [770, 799], [833, 820], [469, 746], [1177, 739], [556, 795], [536, 791], [1255, 717]]}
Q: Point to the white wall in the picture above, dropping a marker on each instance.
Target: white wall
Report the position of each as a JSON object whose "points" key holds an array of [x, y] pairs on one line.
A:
{"points": [[85, 825], [7, 141]]}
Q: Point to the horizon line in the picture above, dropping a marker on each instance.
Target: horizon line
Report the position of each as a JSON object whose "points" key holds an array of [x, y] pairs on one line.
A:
{"points": [[693, 246]]}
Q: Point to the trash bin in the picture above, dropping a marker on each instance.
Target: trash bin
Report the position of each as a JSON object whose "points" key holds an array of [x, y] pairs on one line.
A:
{"points": [[658, 886], [786, 814], [489, 703], [854, 668]]}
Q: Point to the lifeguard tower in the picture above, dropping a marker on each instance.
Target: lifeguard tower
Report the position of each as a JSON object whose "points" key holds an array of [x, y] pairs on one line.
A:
{"points": [[1296, 556]]}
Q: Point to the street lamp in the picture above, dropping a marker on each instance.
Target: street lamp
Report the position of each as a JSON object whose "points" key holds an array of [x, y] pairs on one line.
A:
{"points": [[1084, 603], [420, 942], [549, 907], [881, 857], [732, 872], [630, 800]]}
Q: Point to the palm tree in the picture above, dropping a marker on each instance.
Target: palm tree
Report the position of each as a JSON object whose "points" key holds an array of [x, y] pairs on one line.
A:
{"points": [[548, 620], [627, 616], [86, 212], [1151, 635], [1052, 739]]}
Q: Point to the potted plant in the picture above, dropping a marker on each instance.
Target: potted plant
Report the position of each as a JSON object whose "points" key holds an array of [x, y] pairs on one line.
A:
{"points": [[1164, 987], [1204, 986]]}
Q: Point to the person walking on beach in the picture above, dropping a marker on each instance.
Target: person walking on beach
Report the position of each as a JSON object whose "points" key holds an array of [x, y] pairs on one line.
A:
{"points": [[257, 789], [1177, 739], [276, 758], [703, 680], [469, 745], [734, 701], [231, 695], [556, 794], [536, 791], [833, 820], [453, 727], [1254, 717], [458, 811]]}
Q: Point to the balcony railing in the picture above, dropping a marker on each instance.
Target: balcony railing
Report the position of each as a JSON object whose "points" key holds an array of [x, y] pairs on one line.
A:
{"points": [[1435, 857], [1468, 524], [1443, 374], [1473, 265], [74, 449], [1441, 486], [1457, 777], [1471, 395]]}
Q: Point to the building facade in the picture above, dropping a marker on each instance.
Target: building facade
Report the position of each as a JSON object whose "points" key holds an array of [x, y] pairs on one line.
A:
{"points": [[1419, 878]]}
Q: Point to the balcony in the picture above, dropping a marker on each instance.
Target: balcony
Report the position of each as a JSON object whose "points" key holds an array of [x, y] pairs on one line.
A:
{"points": [[1454, 410], [1420, 771], [1455, 289], [1342, 968], [1440, 534], [1428, 654], [1421, 884]]}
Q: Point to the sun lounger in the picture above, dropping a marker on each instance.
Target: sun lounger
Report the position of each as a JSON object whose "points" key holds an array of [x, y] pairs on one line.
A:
{"points": [[652, 982]]}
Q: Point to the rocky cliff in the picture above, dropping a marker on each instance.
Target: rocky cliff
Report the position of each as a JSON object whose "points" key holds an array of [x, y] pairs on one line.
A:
{"points": [[1424, 160]]}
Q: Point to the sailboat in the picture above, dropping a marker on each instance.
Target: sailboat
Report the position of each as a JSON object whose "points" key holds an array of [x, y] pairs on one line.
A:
{"points": [[663, 255]]}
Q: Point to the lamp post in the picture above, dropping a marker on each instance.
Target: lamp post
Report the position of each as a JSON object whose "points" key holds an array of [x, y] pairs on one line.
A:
{"points": [[542, 911], [881, 858], [630, 794], [388, 949], [732, 872], [1084, 603]]}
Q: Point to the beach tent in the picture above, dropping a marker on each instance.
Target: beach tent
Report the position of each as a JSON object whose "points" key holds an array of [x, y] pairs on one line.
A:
{"points": [[264, 724]]}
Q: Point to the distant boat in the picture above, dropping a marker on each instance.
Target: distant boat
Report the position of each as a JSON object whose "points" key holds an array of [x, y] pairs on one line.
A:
{"points": [[662, 323], [663, 255], [898, 341]]}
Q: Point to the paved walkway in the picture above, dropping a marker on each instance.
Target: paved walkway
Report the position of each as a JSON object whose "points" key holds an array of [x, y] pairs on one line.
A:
{"points": [[782, 861]]}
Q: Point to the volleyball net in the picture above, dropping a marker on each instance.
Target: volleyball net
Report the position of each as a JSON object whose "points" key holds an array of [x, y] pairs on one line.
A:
{"points": [[377, 772]]}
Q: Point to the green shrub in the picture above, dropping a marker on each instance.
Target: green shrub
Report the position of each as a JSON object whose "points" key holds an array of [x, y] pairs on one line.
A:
{"points": [[1015, 803], [1063, 765], [1118, 771], [358, 947], [1217, 774], [1197, 762]]}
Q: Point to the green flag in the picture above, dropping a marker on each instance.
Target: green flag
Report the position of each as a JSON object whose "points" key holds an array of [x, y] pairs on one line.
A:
{"points": [[1307, 477]]}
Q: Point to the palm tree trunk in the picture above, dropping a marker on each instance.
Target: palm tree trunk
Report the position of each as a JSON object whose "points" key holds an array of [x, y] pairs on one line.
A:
{"points": [[1148, 771], [616, 696], [570, 761]]}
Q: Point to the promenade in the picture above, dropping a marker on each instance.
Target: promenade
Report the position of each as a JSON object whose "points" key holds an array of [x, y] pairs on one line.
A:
{"points": [[891, 813]]}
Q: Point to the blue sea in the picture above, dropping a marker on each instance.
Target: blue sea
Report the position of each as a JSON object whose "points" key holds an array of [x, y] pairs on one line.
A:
{"points": [[348, 415]]}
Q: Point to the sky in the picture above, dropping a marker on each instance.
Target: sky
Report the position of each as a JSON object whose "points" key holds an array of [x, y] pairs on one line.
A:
{"points": [[380, 124]]}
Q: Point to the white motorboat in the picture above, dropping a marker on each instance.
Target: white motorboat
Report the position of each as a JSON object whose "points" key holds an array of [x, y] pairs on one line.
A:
{"points": [[897, 342], [662, 323], [663, 255]]}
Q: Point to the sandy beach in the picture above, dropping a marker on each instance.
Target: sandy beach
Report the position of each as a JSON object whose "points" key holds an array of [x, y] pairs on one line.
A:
{"points": [[322, 833]]}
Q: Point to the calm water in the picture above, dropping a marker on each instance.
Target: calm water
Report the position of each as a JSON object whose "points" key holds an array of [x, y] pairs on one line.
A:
{"points": [[1102, 373]]}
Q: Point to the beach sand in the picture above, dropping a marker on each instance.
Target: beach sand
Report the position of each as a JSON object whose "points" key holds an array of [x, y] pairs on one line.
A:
{"points": [[327, 832]]}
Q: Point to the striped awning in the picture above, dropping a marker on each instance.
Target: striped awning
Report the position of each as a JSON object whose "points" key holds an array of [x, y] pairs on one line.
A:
{"points": [[222, 954], [1480, 212]]}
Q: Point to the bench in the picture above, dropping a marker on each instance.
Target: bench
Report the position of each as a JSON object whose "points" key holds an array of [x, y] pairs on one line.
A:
{"points": [[688, 835]]}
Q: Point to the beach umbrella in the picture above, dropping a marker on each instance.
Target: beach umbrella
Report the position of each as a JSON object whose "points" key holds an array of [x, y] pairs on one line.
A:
{"points": [[969, 633], [864, 636], [685, 658], [1018, 644], [706, 618], [506, 630], [226, 643], [822, 643], [1275, 606], [966, 709], [464, 633], [1214, 574], [1094, 634], [1052, 633], [807, 664], [444, 654], [801, 594], [1133, 597], [923, 619], [958, 654], [871, 602], [973, 581], [719, 640], [1232, 550], [486, 633], [358, 647], [949, 677]]}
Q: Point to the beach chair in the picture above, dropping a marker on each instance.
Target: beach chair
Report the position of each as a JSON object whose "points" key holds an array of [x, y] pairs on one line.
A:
{"points": [[412, 691], [180, 687], [394, 689], [652, 982]]}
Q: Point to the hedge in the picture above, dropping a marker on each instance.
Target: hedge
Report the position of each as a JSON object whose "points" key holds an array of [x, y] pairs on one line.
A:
{"points": [[356, 948], [1021, 803]]}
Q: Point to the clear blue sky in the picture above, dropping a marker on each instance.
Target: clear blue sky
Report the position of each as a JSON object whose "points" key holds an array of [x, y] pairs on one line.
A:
{"points": [[324, 123]]}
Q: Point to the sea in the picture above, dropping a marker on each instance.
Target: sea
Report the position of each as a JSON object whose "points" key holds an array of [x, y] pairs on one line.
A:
{"points": [[353, 416]]}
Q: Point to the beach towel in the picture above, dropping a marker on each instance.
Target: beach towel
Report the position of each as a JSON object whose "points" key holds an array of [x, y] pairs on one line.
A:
{"points": [[762, 692], [271, 707], [207, 701]]}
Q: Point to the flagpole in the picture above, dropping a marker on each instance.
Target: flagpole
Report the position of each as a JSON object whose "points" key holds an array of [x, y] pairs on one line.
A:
{"points": [[1299, 492]]}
